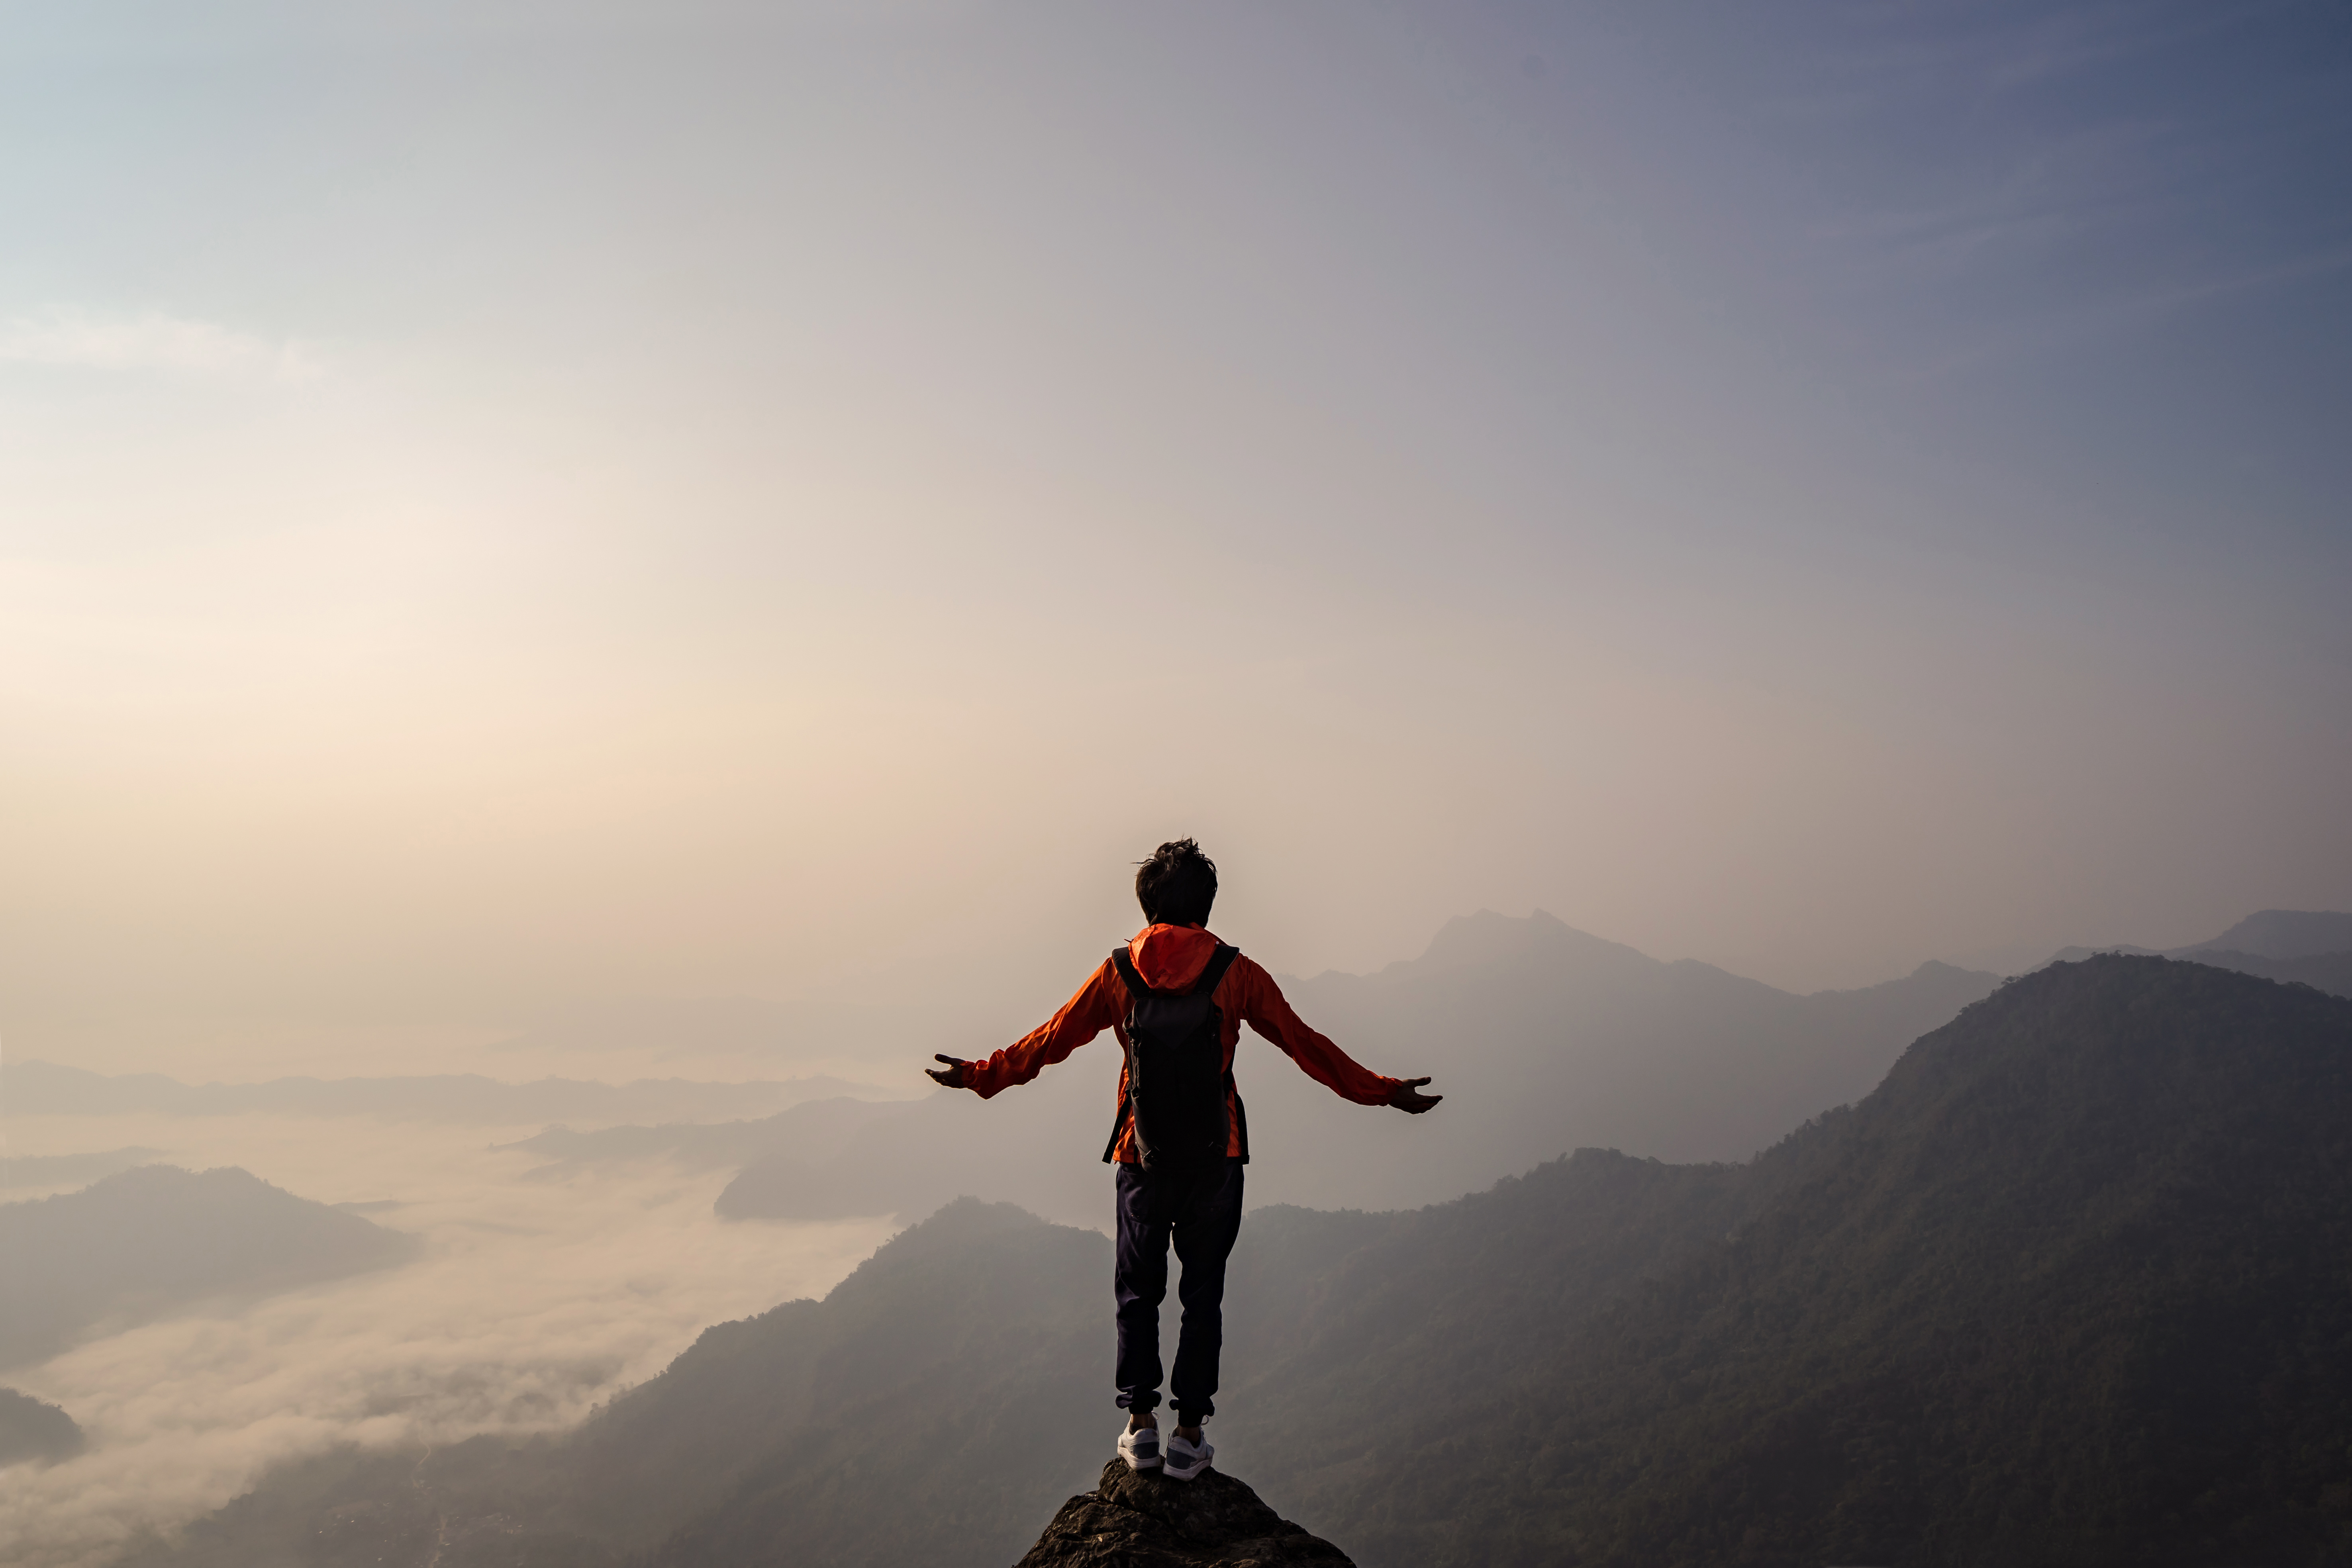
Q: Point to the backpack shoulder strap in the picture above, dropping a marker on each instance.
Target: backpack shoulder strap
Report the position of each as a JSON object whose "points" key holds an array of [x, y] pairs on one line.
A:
{"points": [[1135, 986], [1136, 989], [1219, 961]]}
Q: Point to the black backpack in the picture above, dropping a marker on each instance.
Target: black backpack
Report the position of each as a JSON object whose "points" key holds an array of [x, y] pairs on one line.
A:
{"points": [[1177, 1083]]}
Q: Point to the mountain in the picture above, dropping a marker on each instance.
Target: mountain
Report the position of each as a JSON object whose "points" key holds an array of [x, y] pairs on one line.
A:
{"points": [[45, 1088], [30, 1429], [2329, 971], [65, 1170], [2304, 947], [1037, 1146], [142, 1244], [2077, 954], [2069, 1286], [1546, 1039], [2280, 933], [1542, 1038], [940, 1402]]}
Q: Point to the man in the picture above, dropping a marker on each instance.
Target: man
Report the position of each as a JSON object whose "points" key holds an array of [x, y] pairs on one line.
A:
{"points": [[1176, 997]]}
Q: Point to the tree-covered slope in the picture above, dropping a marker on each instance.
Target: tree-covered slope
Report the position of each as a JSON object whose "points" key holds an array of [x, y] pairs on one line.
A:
{"points": [[2075, 1285], [2329, 971], [969, 1359]]}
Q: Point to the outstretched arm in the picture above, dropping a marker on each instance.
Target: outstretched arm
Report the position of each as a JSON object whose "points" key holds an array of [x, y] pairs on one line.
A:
{"points": [[1098, 1004], [1268, 1012]]}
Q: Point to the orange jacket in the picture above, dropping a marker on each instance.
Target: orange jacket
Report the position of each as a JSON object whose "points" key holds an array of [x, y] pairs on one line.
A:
{"points": [[1170, 958]]}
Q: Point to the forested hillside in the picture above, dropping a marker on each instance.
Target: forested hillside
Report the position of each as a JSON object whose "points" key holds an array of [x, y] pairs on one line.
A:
{"points": [[2311, 947], [2329, 971], [2075, 1285]]}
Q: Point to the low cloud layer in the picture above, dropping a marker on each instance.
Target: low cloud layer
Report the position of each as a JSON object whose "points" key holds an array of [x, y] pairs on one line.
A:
{"points": [[533, 1302]]}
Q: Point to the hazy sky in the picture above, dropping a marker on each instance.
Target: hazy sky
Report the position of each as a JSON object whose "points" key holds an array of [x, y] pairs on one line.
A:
{"points": [[505, 507]]}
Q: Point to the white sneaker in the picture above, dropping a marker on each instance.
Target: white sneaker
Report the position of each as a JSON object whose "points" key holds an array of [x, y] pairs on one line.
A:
{"points": [[1141, 1447], [1186, 1460]]}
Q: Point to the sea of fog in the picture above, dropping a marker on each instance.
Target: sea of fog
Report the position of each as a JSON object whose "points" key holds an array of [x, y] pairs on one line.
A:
{"points": [[533, 1302]]}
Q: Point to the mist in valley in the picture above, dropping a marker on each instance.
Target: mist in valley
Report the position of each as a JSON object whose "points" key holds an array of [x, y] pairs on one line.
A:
{"points": [[528, 1302]]}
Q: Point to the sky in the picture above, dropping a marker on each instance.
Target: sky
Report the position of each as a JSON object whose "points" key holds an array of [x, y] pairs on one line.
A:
{"points": [[513, 513]]}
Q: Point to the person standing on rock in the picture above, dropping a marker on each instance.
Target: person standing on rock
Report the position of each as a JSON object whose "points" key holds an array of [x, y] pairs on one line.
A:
{"points": [[1177, 997]]}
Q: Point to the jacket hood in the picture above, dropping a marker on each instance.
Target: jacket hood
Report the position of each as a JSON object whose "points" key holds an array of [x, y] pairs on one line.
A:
{"points": [[1171, 957]]}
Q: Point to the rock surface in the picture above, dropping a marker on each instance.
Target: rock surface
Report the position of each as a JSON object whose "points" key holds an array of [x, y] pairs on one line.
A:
{"points": [[1146, 1521]]}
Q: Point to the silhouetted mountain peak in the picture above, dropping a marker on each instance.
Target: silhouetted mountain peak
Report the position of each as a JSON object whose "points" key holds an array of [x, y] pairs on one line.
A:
{"points": [[2081, 1041], [1489, 937], [178, 1191], [2265, 944], [30, 1429], [943, 1235], [2076, 954], [2076, 1111], [145, 1241], [1147, 1521]]}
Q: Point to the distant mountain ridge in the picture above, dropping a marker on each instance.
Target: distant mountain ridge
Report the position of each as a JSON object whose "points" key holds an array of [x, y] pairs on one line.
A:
{"points": [[2329, 971], [2306, 947], [1540, 1036], [2069, 1287], [140, 1245], [46, 1089], [1547, 1038], [2280, 933]]}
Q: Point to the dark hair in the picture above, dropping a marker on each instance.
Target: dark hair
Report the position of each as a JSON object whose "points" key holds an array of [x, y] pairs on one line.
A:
{"points": [[1177, 885]]}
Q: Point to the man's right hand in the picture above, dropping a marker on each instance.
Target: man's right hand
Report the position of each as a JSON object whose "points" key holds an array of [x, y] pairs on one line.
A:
{"points": [[957, 1074], [1406, 1096]]}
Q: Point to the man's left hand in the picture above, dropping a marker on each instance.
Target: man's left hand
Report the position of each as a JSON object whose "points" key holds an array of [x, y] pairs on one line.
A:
{"points": [[1406, 1096], [957, 1074]]}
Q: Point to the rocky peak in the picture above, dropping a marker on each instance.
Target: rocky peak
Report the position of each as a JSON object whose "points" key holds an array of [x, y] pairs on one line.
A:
{"points": [[1146, 1521]]}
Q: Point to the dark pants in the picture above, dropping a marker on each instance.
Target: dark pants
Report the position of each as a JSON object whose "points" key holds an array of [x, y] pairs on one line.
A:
{"points": [[1202, 1214]]}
